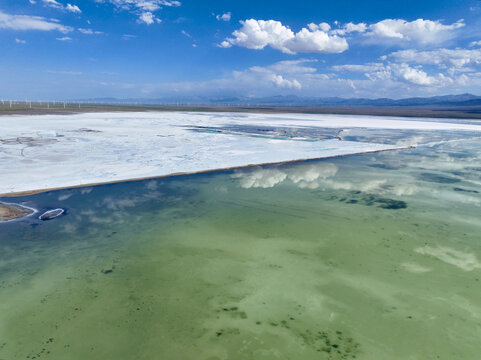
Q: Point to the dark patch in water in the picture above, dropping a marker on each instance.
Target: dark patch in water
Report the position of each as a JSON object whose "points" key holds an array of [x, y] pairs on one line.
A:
{"points": [[459, 155], [235, 308], [374, 200], [466, 190], [442, 179], [229, 331], [391, 204], [296, 252], [234, 312], [385, 166], [333, 344], [458, 173]]}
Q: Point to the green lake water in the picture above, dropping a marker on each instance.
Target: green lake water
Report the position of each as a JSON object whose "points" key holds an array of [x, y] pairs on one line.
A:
{"points": [[373, 256]]}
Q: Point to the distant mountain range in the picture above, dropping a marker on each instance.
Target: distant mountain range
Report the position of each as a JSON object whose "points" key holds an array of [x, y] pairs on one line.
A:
{"points": [[293, 100]]}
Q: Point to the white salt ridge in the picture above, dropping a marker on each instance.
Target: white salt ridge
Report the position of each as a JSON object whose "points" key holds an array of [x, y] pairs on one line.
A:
{"points": [[339, 121], [52, 151]]}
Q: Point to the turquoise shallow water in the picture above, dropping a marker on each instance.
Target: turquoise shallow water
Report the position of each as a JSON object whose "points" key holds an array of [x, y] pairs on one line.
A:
{"points": [[369, 257]]}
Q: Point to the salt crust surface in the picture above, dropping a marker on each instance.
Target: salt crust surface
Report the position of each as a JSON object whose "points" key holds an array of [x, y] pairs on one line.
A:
{"points": [[50, 151]]}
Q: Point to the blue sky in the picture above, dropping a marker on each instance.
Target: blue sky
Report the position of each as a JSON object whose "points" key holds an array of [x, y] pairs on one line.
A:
{"points": [[79, 49]]}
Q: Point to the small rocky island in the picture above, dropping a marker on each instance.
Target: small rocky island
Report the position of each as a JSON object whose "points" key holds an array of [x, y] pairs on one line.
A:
{"points": [[13, 211]]}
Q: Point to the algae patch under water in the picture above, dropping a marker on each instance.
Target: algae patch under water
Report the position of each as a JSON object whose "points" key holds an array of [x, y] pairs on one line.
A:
{"points": [[349, 258]]}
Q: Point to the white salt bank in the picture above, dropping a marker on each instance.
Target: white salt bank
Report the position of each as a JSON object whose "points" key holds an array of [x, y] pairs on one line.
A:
{"points": [[53, 151]]}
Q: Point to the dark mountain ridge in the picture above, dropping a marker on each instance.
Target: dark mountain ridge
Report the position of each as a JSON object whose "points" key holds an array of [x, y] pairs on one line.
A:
{"points": [[293, 100]]}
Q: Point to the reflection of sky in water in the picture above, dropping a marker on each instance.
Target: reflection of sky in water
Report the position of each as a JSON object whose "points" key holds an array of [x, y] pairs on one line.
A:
{"points": [[373, 256]]}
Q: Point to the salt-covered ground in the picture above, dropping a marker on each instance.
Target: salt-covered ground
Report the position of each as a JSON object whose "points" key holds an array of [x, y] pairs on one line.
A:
{"points": [[52, 151]]}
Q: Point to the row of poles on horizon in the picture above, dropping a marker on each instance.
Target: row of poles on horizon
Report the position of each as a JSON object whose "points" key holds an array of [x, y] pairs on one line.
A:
{"points": [[65, 104], [69, 104], [27, 103]]}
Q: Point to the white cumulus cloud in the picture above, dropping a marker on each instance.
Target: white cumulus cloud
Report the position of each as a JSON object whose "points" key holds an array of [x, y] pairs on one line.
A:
{"points": [[144, 9], [420, 30], [281, 75], [27, 22], [322, 26], [444, 58], [89, 31], [398, 72], [293, 66], [369, 67], [279, 81], [322, 38], [56, 5], [148, 18], [185, 33], [73, 8], [350, 28], [224, 17], [149, 5], [415, 76], [257, 34]]}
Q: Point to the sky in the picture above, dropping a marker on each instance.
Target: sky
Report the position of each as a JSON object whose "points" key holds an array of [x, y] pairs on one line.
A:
{"points": [[168, 49]]}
